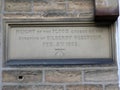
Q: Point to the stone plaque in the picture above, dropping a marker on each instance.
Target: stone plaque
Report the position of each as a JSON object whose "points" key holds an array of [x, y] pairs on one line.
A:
{"points": [[58, 42]]}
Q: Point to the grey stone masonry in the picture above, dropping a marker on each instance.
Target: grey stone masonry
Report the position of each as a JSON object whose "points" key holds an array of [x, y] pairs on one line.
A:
{"points": [[67, 77]]}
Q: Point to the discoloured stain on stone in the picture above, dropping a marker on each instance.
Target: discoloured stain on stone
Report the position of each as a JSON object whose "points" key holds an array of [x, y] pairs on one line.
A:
{"points": [[22, 76], [18, 5], [101, 75]]}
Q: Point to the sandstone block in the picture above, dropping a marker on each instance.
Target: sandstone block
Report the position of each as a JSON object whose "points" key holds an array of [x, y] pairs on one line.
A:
{"points": [[22, 76], [59, 76], [18, 5], [112, 87], [101, 75]]}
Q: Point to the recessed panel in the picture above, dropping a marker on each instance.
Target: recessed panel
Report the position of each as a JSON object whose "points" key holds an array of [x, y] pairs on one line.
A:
{"points": [[58, 42]]}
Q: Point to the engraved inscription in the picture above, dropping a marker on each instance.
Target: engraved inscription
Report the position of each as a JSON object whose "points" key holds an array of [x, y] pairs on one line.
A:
{"points": [[58, 42]]}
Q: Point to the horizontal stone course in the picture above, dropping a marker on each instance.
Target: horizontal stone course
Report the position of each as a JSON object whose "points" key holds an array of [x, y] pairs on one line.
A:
{"points": [[38, 87], [17, 88], [47, 87], [61, 9]]}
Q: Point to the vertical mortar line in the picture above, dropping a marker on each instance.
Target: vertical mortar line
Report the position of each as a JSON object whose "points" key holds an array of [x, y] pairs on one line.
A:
{"points": [[83, 76], [64, 87], [32, 5], [43, 76], [103, 87], [3, 6], [66, 6], [33, 86]]}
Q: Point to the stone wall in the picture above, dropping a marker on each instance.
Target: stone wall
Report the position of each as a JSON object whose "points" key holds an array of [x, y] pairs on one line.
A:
{"points": [[74, 77]]}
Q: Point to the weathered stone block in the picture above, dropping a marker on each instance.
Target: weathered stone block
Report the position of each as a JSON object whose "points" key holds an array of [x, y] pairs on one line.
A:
{"points": [[106, 4], [18, 5], [46, 5], [80, 8], [101, 75], [17, 88], [22, 76], [64, 9], [112, 87], [85, 87], [58, 76], [48, 88], [82, 5]]}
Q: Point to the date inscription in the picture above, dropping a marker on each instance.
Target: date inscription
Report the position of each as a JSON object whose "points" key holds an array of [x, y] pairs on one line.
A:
{"points": [[58, 42]]}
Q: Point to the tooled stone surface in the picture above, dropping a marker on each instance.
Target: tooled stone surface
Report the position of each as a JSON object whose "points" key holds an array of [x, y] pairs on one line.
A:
{"points": [[18, 5], [101, 75], [20, 76], [58, 76], [64, 9]]}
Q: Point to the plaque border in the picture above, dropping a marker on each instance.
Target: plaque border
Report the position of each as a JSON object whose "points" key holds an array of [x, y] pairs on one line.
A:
{"points": [[38, 62]]}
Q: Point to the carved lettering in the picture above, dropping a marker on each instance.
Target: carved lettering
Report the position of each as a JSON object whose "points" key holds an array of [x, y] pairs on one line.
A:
{"points": [[54, 42]]}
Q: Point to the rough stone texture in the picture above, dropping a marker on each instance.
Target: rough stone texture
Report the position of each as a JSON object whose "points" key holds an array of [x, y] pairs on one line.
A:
{"points": [[43, 87], [18, 5], [58, 76], [101, 75], [112, 87], [17, 88], [46, 5], [22, 76], [83, 5], [56, 79], [20, 16], [85, 87], [64, 9], [48, 88], [106, 4], [72, 5]]}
